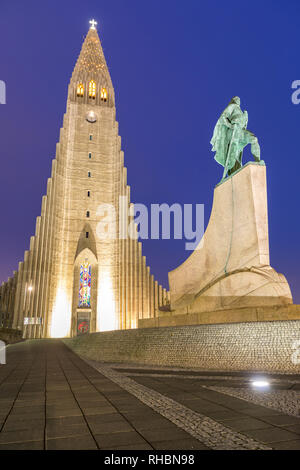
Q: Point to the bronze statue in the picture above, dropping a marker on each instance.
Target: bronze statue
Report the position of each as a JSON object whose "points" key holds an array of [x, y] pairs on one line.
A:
{"points": [[231, 137]]}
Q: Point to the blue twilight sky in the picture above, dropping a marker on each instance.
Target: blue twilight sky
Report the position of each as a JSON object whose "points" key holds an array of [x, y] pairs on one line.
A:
{"points": [[174, 65]]}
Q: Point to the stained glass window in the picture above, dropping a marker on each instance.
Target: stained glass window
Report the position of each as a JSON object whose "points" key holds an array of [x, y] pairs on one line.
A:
{"points": [[103, 94], [80, 89], [92, 89], [85, 285]]}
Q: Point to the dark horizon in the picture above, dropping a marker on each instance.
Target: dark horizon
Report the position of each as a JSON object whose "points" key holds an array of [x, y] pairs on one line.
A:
{"points": [[174, 69]]}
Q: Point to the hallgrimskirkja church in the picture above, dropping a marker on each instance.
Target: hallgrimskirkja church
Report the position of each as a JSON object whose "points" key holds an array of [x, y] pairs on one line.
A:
{"points": [[72, 280]]}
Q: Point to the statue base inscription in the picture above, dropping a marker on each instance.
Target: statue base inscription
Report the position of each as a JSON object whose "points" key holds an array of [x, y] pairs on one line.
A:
{"points": [[231, 266]]}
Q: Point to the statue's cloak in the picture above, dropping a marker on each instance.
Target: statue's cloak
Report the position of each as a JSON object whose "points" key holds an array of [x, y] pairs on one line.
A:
{"points": [[223, 135]]}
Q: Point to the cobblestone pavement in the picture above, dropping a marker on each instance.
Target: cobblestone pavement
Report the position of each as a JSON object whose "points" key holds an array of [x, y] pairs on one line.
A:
{"points": [[52, 399]]}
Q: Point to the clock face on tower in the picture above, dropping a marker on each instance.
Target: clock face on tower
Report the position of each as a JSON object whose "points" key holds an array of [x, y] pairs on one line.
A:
{"points": [[91, 116]]}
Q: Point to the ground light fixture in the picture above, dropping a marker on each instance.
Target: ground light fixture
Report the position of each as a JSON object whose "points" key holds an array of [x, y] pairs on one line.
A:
{"points": [[260, 383]]}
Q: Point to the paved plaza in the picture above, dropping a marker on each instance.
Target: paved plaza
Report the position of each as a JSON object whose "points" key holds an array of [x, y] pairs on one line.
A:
{"points": [[52, 399]]}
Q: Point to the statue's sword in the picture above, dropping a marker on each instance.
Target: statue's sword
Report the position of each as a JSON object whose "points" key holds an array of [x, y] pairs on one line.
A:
{"points": [[229, 150]]}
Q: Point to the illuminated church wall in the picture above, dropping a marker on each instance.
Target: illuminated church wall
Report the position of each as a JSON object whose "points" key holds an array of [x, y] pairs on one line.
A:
{"points": [[88, 171]]}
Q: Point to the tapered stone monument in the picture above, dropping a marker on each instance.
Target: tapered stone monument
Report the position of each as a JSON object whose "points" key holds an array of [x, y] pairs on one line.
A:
{"points": [[231, 266]]}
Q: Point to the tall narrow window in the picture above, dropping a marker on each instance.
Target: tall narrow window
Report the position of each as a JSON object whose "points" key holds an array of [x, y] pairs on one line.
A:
{"points": [[85, 284], [90, 155], [86, 234], [88, 193], [91, 136], [103, 95], [89, 174], [92, 89], [80, 89], [87, 213]]}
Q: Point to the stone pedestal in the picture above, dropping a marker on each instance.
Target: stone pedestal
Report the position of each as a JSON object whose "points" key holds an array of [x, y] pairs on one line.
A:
{"points": [[231, 267]]}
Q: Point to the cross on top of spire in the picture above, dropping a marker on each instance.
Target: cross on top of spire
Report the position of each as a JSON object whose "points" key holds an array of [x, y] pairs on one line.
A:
{"points": [[93, 24]]}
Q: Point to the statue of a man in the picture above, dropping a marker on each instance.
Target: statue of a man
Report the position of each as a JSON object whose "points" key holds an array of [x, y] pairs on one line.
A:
{"points": [[231, 137]]}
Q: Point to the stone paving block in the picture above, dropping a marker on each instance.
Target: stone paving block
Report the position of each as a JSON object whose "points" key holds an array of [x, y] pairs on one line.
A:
{"points": [[17, 424], [155, 435], [119, 425], [95, 395], [34, 403], [61, 413], [182, 444], [58, 404], [28, 410], [98, 410], [86, 403], [31, 396], [142, 414], [17, 414], [89, 395], [271, 435], [108, 389], [153, 423], [295, 428], [131, 447], [120, 394], [58, 388], [136, 407], [32, 434], [125, 406], [6, 403], [72, 443], [232, 403], [67, 420], [247, 423], [7, 394], [105, 418], [67, 402], [84, 387], [122, 401], [181, 396], [214, 397], [119, 439], [63, 430], [225, 415], [288, 445], [259, 411], [4, 412], [282, 420], [33, 388], [62, 402], [98, 381], [30, 445], [62, 395], [203, 407]]}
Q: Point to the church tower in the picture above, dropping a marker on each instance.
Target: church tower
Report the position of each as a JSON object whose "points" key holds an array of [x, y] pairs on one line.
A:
{"points": [[76, 278]]}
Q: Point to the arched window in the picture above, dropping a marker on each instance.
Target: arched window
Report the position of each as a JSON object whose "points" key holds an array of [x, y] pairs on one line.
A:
{"points": [[80, 89], [92, 89], [103, 95], [85, 285]]}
